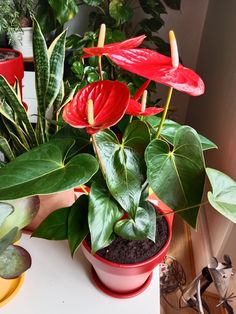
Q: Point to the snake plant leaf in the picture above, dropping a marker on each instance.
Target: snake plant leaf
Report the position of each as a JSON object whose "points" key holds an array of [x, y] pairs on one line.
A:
{"points": [[5, 210], [56, 54], [65, 10], [134, 229], [25, 210], [137, 136], [14, 261], [54, 226], [122, 168], [12, 99], [43, 170], [223, 196], [171, 127], [78, 223], [6, 149], [177, 176], [41, 65], [8, 239], [103, 213]]}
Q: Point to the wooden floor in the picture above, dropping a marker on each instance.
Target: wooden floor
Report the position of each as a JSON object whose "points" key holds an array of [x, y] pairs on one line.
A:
{"points": [[181, 250]]}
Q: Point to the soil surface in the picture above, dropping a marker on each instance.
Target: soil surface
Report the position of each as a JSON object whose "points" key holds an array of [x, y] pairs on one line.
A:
{"points": [[7, 55], [134, 251]]}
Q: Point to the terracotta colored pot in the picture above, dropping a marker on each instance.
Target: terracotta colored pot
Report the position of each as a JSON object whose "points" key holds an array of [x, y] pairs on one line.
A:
{"points": [[127, 280], [9, 288], [49, 203], [13, 68]]}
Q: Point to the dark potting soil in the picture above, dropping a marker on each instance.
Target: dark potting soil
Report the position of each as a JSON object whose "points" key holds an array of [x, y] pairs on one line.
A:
{"points": [[134, 251], [7, 55]]}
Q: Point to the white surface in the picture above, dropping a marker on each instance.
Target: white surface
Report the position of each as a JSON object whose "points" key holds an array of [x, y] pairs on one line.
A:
{"points": [[58, 284], [29, 94]]}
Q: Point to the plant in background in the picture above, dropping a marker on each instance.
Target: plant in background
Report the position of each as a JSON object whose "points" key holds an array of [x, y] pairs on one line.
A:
{"points": [[14, 216], [151, 153]]}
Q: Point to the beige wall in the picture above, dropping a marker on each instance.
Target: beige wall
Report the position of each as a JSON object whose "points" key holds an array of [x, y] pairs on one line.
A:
{"points": [[214, 115]]}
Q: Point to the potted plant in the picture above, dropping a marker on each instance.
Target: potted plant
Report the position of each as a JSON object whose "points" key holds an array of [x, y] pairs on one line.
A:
{"points": [[135, 155], [14, 259]]}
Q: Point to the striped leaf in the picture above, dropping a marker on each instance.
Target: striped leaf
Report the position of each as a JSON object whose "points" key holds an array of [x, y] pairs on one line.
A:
{"points": [[12, 99], [6, 149]]}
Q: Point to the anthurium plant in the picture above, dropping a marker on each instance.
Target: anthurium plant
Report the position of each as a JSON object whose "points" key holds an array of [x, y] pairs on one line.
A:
{"points": [[121, 159], [14, 216]]}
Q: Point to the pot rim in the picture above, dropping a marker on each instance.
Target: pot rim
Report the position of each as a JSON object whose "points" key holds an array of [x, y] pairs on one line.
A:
{"points": [[18, 57], [139, 264]]}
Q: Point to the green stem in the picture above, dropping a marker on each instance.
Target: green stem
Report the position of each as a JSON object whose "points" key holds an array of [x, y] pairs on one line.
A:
{"points": [[164, 112], [183, 209], [98, 155], [130, 119]]}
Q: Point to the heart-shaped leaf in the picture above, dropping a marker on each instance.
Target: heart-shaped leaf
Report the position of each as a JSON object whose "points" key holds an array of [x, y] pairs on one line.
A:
{"points": [[123, 171], [104, 212], [25, 210], [152, 220], [223, 196], [54, 226], [14, 261], [177, 176], [134, 229], [5, 210], [137, 136], [171, 127], [78, 223], [43, 170]]}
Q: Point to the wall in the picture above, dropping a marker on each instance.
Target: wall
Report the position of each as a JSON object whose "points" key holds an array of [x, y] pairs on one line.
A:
{"points": [[214, 116]]}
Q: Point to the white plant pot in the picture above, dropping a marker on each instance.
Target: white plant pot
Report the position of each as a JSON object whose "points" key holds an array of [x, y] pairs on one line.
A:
{"points": [[22, 41]]}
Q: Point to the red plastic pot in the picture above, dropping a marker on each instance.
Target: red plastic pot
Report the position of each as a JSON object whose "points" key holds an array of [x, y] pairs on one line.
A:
{"points": [[13, 68], [128, 280]]}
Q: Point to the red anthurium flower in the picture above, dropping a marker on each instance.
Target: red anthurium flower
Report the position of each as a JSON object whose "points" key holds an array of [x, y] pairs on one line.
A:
{"points": [[97, 106], [135, 109], [127, 44], [157, 67]]}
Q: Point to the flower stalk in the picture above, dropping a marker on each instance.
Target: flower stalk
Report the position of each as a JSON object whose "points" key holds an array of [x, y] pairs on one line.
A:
{"points": [[101, 41]]}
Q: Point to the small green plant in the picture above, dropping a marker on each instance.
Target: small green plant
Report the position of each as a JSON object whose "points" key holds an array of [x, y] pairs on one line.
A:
{"points": [[14, 216]]}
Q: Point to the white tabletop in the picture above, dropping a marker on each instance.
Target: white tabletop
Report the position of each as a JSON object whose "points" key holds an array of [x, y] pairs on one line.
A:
{"points": [[58, 284]]}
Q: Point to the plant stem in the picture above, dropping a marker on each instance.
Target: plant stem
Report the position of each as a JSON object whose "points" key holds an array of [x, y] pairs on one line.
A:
{"points": [[164, 112], [98, 154], [100, 67], [183, 209], [83, 189]]}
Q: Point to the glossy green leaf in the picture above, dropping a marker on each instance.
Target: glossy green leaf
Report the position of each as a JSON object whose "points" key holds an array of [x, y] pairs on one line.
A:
{"points": [[120, 11], [104, 212], [78, 223], [54, 226], [25, 210], [223, 196], [152, 7], [122, 167], [93, 3], [177, 176], [14, 261], [152, 24], [43, 170], [65, 10], [93, 77], [152, 220], [134, 229], [171, 127], [8, 239], [137, 136]]}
